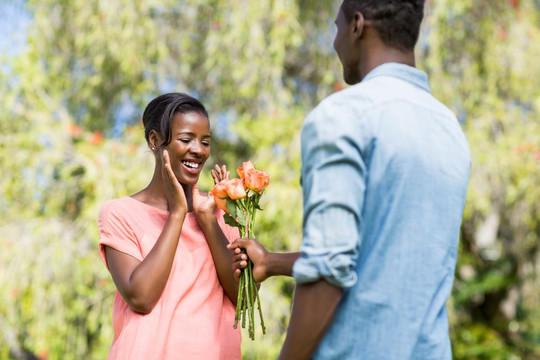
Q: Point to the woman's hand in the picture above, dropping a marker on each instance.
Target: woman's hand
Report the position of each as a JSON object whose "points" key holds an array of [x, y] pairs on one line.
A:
{"points": [[220, 174], [173, 190], [203, 204]]}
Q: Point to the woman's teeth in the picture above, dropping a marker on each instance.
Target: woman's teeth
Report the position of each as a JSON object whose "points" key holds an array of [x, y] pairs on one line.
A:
{"points": [[191, 165]]}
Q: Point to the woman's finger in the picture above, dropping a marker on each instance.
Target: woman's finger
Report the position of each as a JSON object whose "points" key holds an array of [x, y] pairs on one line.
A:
{"points": [[219, 174], [224, 172], [168, 167], [215, 177]]}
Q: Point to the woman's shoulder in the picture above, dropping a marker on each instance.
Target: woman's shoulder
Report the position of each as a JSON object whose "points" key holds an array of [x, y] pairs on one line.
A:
{"points": [[114, 209], [115, 204]]}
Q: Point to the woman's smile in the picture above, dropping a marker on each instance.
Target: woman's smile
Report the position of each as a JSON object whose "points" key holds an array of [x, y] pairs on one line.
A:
{"points": [[192, 167], [190, 146]]}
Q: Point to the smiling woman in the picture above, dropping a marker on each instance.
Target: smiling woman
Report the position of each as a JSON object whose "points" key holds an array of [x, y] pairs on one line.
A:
{"points": [[165, 248], [190, 145]]}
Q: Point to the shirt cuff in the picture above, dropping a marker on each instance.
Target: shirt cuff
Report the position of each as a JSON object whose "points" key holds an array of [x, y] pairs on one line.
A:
{"points": [[337, 269]]}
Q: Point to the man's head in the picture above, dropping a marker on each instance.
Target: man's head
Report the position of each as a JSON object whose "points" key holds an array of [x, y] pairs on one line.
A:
{"points": [[395, 23]]}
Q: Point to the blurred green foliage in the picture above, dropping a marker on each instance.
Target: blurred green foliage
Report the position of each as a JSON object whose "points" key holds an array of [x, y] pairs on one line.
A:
{"points": [[67, 144]]}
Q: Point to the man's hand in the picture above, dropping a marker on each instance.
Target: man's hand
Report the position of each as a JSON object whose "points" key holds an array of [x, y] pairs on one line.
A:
{"points": [[265, 264], [256, 253]]}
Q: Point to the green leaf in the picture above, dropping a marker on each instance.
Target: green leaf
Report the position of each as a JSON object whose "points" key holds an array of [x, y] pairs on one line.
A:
{"points": [[229, 220], [231, 207]]}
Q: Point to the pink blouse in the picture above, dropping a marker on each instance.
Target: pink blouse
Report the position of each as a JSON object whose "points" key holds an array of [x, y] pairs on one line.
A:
{"points": [[194, 318]]}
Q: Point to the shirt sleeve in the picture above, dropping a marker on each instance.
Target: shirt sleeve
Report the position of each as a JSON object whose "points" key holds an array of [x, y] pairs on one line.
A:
{"points": [[333, 183], [115, 231]]}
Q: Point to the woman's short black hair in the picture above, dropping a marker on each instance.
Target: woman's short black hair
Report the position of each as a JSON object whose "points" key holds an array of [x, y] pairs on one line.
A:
{"points": [[159, 114], [397, 21]]}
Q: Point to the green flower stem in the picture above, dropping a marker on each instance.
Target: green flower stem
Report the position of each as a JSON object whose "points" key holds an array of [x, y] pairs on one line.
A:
{"points": [[245, 290], [249, 304], [252, 300], [259, 308], [247, 287], [240, 300]]}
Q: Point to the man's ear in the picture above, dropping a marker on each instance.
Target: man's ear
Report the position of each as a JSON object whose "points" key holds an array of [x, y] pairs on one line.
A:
{"points": [[358, 24]]}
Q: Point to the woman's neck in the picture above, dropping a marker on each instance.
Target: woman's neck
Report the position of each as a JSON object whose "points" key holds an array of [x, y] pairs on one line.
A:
{"points": [[154, 194]]}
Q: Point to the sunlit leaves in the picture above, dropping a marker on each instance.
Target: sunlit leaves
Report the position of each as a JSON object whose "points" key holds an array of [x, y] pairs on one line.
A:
{"points": [[481, 63]]}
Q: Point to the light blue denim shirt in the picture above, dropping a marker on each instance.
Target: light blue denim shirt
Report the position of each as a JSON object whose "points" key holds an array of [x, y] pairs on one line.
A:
{"points": [[385, 169]]}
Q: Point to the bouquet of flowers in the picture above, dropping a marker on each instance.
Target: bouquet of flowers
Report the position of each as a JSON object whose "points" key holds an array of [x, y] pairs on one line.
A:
{"points": [[239, 198]]}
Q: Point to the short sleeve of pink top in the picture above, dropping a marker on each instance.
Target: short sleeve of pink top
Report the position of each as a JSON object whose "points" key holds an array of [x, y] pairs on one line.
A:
{"points": [[193, 319]]}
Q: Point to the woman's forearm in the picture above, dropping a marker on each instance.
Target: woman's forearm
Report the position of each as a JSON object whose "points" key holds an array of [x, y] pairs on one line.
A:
{"points": [[217, 242]]}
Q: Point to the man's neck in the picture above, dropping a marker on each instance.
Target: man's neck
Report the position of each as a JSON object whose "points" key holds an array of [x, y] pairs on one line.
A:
{"points": [[387, 57], [375, 53]]}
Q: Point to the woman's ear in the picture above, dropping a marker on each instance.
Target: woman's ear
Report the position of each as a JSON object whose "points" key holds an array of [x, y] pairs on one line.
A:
{"points": [[153, 140]]}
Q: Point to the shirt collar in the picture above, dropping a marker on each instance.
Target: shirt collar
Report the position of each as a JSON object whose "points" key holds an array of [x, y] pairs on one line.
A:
{"points": [[405, 72]]}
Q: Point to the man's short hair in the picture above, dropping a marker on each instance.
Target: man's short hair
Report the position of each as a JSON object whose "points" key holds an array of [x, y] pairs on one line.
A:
{"points": [[397, 21]]}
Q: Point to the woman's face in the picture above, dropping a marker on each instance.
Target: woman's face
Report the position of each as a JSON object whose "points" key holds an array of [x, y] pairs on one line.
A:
{"points": [[189, 147]]}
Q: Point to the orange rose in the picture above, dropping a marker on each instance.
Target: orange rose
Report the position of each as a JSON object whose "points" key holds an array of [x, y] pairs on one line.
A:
{"points": [[221, 204], [246, 166], [256, 180], [235, 188], [219, 191]]}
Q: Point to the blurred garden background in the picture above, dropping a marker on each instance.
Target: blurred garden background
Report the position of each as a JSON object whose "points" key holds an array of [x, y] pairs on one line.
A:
{"points": [[76, 75]]}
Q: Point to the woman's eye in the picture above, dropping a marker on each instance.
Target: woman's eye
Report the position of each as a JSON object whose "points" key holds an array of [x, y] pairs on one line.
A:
{"points": [[206, 143], [185, 141]]}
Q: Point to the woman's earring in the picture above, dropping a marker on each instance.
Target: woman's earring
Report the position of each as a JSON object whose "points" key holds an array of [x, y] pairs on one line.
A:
{"points": [[153, 148]]}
